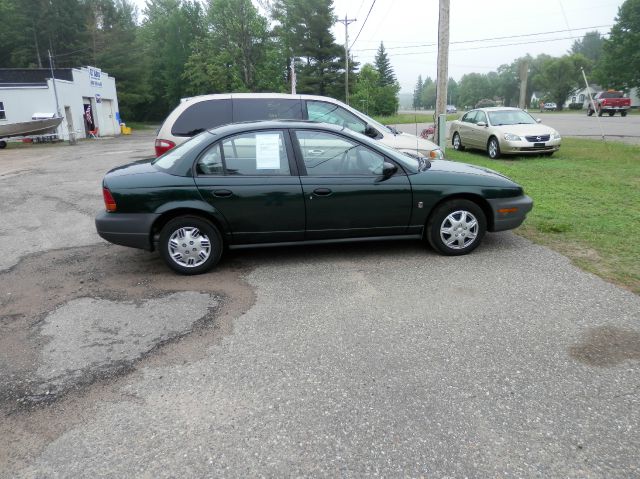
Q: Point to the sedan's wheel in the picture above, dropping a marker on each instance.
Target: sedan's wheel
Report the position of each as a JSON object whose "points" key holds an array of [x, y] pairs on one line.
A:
{"points": [[456, 227], [190, 245], [611, 113], [493, 148], [457, 143], [3, 144], [623, 113]]}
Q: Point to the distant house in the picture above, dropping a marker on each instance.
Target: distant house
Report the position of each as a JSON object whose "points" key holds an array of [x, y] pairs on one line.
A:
{"points": [[582, 96], [635, 98]]}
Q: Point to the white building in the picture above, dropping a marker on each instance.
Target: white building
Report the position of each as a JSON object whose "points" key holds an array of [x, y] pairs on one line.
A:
{"points": [[87, 99]]}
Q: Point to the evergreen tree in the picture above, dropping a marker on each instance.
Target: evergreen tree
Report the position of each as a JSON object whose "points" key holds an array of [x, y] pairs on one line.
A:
{"points": [[383, 65], [417, 93], [304, 28]]}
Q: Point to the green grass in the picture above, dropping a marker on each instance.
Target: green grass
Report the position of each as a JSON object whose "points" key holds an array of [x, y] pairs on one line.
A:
{"points": [[137, 125], [586, 203], [401, 118]]}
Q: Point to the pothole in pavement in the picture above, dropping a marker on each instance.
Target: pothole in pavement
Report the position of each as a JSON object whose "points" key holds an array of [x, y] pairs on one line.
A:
{"points": [[72, 317]]}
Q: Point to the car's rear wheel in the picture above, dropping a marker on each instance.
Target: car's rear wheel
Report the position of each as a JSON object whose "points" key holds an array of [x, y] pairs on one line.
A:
{"points": [[493, 148], [190, 245], [611, 113], [457, 142], [623, 113], [456, 227], [589, 112], [3, 144]]}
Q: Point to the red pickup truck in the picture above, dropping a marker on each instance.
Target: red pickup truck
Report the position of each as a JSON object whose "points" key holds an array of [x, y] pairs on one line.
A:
{"points": [[610, 101]]}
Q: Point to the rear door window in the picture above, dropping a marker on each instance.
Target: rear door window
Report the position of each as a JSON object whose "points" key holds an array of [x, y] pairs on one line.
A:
{"points": [[334, 114], [256, 109], [202, 116], [262, 153], [470, 117]]}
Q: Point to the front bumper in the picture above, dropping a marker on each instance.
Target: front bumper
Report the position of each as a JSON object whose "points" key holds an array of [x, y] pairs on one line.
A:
{"points": [[127, 229], [509, 213], [527, 148]]}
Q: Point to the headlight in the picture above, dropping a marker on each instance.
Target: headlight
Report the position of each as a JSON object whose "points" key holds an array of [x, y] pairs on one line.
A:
{"points": [[432, 154], [511, 137], [556, 136]]}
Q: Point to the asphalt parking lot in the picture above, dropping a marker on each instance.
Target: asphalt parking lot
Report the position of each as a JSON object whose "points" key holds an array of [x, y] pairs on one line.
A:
{"points": [[379, 359]]}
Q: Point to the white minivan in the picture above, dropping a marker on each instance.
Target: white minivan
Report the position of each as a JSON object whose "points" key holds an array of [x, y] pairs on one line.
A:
{"points": [[196, 114]]}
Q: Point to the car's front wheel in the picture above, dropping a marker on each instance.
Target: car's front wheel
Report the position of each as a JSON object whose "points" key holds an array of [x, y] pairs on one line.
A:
{"points": [[190, 245], [589, 112], [3, 144], [456, 142], [456, 227], [493, 148], [623, 113]]}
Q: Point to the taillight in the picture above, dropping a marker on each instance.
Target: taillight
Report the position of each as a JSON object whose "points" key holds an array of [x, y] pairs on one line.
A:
{"points": [[109, 202], [162, 146]]}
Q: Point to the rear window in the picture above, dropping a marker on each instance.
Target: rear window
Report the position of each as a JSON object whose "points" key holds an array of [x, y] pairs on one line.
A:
{"points": [[201, 116], [611, 94], [255, 109]]}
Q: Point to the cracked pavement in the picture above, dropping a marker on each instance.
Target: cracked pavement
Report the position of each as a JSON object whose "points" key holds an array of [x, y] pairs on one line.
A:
{"points": [[380, 360]]}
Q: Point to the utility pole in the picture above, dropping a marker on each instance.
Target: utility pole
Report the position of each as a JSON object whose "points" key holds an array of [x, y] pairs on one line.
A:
{"points": [[523, 73], [53, 81], [346, 22], [443, 73]]}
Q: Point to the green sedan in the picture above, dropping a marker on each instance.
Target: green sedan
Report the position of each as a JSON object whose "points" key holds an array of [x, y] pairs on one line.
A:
{"points": [[294, 182]]}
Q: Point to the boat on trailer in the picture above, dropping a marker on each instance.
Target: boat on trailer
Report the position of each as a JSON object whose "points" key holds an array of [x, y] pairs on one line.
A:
{"points": [[35, 127]]}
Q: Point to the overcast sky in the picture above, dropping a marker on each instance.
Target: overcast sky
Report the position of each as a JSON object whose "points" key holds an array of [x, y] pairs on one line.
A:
{"points": [[402, 24]]}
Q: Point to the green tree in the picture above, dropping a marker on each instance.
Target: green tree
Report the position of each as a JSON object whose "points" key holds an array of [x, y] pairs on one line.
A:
{"points": [[384, 68], [590, 46], [561, 76], [508, 84], [168, 35], [452, 92], [619, 66], [429, 95], [417, 93], [304, 29], [473, 87]]}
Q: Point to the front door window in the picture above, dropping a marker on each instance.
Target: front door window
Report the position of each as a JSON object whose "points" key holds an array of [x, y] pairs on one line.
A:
{"points": [[334, 114]]}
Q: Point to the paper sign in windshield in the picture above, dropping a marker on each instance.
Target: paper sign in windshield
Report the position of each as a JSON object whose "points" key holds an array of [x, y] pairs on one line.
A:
{"points": [[268, 151]]}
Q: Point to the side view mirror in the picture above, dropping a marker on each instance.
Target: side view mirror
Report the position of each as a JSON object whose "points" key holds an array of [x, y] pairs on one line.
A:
{"points": [[481, 123], [388, 170], [538, 120], [371, 132]]}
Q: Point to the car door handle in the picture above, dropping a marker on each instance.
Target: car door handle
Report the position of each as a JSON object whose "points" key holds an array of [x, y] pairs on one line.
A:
{"points": [[222, 193], [315, 152], [322, 192]]}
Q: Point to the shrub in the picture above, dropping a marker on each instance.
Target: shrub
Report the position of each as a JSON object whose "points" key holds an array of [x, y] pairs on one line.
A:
{"points": [[575, 106], [485, 103]]}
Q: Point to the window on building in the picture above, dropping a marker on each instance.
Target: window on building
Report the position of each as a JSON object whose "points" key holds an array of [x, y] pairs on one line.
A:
{"points": [[581, 97], [3, 115]]}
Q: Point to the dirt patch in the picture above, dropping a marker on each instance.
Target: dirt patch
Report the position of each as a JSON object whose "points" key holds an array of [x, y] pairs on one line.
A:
{"points": [[607, 346]]}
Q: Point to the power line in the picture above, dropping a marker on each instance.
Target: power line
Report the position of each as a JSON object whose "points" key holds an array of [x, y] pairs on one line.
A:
{"points": [[491, 46], [363, 24], [485, 39]]}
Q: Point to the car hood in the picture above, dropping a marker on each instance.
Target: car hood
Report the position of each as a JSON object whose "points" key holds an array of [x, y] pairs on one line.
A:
{"points": [[406, 141], [528, 130], [443, 171]]}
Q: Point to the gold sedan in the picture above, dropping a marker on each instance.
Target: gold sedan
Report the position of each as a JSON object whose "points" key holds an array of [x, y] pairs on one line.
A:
{"points": [[503, 131]]}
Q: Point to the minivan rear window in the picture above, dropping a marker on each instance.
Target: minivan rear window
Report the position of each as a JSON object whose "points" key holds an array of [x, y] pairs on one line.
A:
{"points": [[202, 116], [254, 109]]}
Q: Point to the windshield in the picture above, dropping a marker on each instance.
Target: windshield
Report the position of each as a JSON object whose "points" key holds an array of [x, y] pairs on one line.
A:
{"points": [[371, 121], [169, 159], [510, 117]]}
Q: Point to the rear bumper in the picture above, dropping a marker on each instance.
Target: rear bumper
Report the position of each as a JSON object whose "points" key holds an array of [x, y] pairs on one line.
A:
{"points": [[127, 229], [509, 213]]}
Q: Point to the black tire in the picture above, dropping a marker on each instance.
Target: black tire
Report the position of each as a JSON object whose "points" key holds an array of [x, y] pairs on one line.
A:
{"points": [[172, 252], [493, 148], [457, 145], [439, 219], [600, 112], [3, 144], [589, 112], [548, 153], [623, 113], [611, 113]]}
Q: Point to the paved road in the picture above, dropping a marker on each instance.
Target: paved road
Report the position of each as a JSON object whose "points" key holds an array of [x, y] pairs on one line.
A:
{"points": [[579, 125], [359, 360]]}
